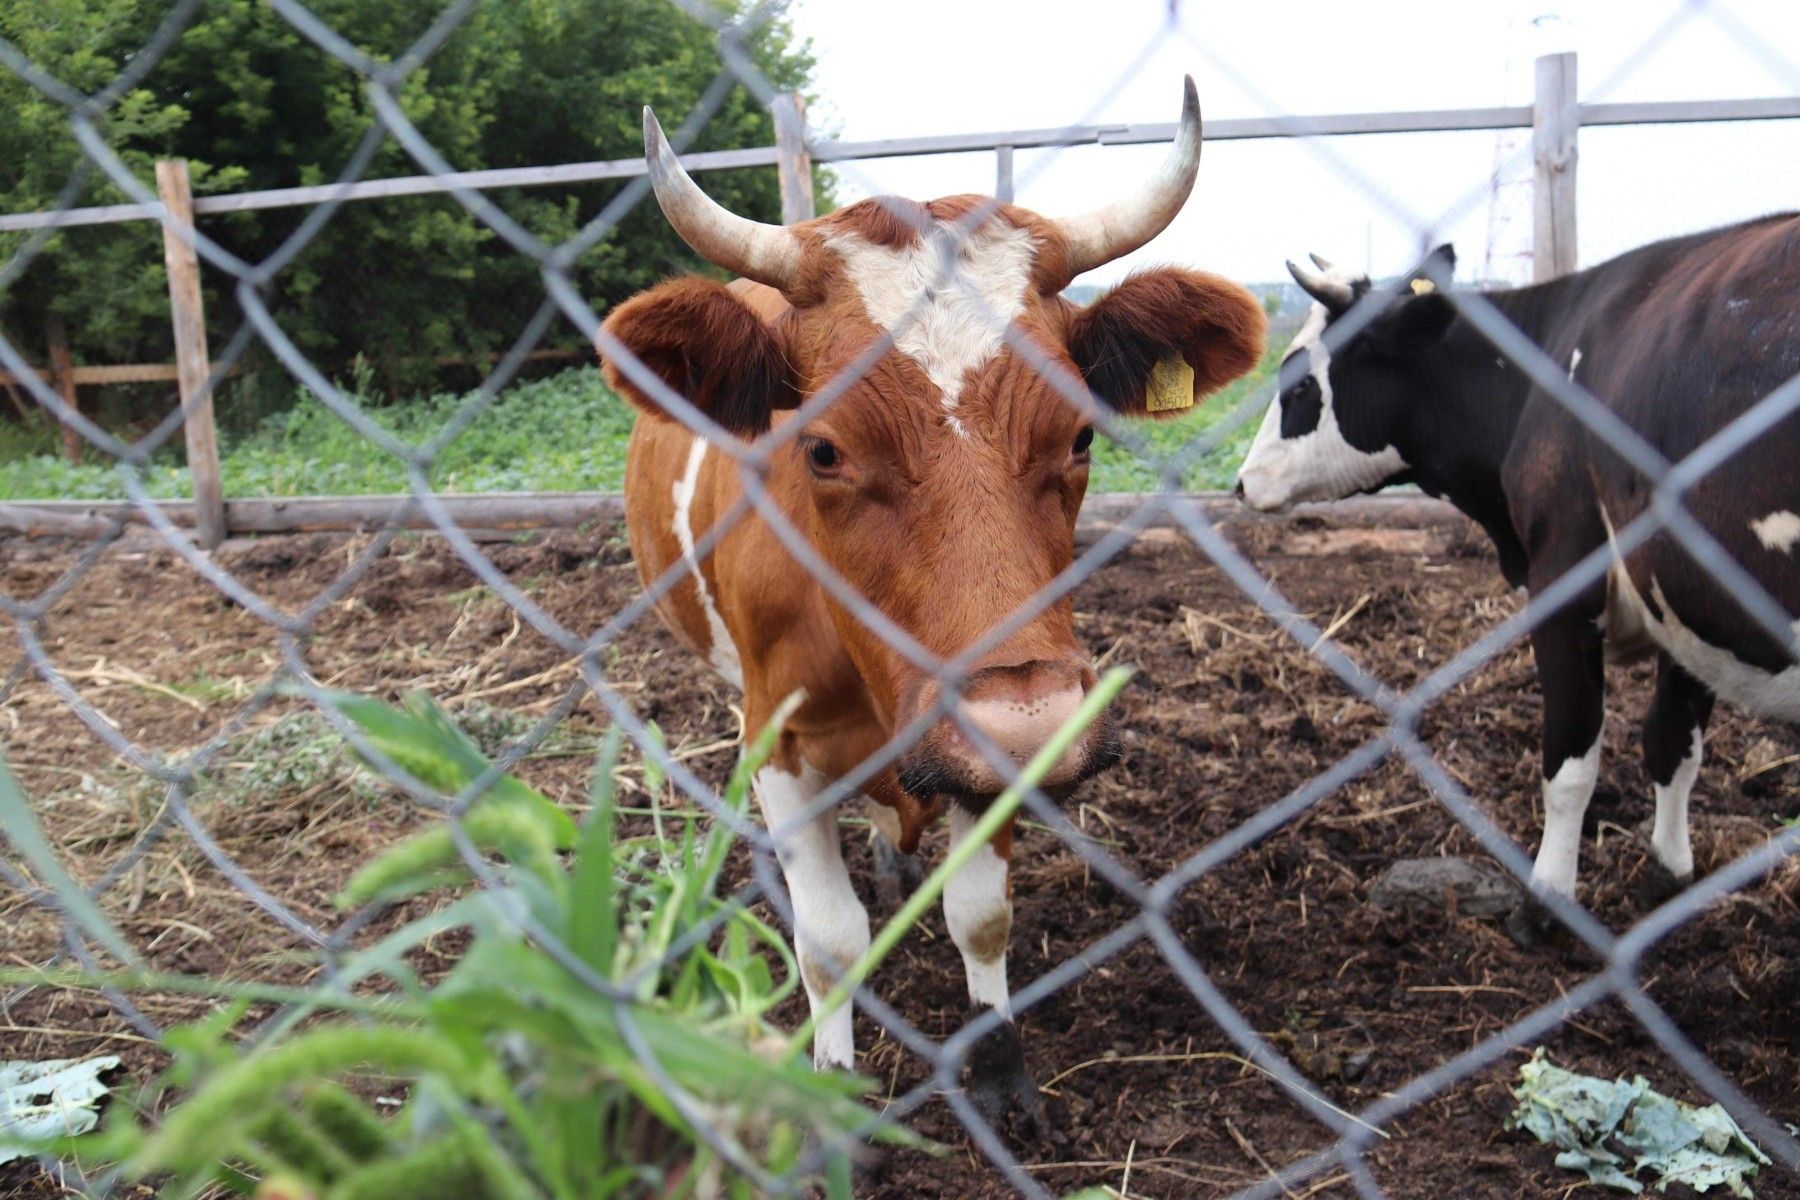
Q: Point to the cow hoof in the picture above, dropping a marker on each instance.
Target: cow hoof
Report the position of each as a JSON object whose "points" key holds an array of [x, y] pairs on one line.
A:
{"points": [[1531, 923], [997, 1084], [864, 1163], [1659, 885], [897, 875]]}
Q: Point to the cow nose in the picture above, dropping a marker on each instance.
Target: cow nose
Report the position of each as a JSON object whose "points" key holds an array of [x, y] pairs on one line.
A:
{"points": [[1013, 710], [1238, 491], [1019, 720]]}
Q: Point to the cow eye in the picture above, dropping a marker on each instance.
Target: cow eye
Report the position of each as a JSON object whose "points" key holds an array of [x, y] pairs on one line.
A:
{"points": [[1083, 441], [821, 455]]}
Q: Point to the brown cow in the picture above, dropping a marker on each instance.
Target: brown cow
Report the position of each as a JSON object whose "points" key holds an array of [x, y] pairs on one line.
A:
{"points": [[942, 485]]}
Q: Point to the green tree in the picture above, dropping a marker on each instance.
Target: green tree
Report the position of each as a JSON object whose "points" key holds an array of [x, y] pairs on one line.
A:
{"points": [[251, 103]]}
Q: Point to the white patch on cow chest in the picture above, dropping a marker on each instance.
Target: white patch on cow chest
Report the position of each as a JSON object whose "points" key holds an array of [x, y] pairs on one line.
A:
{"points": [[945, 309], [1320, 464], [1778, 531], [721, 651]]}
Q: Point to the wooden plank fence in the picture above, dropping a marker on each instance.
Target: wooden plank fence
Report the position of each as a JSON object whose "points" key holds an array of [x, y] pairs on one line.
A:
{"points": [[1555, 118]]}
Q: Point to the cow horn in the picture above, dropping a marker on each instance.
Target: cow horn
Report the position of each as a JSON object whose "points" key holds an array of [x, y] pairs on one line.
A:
{"points": [[766, 253], [1114, 231], [1332, 293], [1324, 264]]}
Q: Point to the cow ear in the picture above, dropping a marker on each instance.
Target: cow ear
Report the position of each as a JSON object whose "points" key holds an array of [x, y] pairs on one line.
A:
{"points": [[704, 343], [1164, 318], [1412, 324], [1422, 314]]}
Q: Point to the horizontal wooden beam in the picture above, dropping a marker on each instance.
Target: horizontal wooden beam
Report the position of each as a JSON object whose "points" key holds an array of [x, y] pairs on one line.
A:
{"points": [[125, 373], [516, 511], [309, 514], [1656, 112], [166, 372], [376, 189], [1687, 112]]}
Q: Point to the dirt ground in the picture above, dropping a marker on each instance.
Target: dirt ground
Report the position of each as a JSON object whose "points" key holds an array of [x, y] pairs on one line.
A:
{"points": [[1225, 716]]}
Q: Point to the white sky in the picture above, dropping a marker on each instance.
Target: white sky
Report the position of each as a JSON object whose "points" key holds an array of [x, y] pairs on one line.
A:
{"points": [[915, 67]]}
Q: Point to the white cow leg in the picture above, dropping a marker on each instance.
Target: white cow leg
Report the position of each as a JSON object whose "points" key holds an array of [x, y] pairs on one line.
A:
{"points": [[1566, 796], [1674, 850], [1571, 668], [978, 910], [1674, 734], [831, 927]]}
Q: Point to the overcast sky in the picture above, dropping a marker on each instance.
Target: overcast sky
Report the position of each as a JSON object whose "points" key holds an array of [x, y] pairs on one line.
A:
{"points": [[916, 67]]}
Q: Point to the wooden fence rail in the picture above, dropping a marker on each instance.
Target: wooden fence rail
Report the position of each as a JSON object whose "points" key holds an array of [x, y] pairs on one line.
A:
{"points": [[1555, 118], [503, 515]]}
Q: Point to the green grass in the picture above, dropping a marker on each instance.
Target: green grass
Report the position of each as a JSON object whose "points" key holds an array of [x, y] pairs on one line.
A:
{"points": [[1120, 469], [301, 750], [563, 433]]}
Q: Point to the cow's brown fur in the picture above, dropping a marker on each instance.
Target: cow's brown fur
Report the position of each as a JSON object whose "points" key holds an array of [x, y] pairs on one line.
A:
{"points": [[945, 535]]}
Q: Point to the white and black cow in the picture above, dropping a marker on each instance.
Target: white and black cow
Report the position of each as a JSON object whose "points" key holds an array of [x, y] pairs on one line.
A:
{"points": [[1677, 338]]}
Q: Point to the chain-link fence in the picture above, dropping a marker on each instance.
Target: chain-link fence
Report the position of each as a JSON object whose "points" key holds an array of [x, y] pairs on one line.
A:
{"points": [[1133, 929]]}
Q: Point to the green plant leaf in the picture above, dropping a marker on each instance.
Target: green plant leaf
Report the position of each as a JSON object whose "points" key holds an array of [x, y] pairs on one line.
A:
{"points": [[21, 828]]}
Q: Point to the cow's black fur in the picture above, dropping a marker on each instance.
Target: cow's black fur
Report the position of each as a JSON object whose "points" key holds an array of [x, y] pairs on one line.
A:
{"points": [[1677, 338]]}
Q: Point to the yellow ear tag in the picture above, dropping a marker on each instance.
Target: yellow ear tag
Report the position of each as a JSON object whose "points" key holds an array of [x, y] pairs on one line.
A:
{"points": [[1421, 286], [1171, 386]]}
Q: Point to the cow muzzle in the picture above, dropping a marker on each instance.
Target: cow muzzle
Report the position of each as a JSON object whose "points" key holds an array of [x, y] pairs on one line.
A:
{"points": [[1263, 489], [1015, 709]]}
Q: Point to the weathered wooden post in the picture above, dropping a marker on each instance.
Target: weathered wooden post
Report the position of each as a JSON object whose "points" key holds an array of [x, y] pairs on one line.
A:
{"points": [[62, 378], [188, 318], [1555, 130], [1003, 183], [792, 159]]}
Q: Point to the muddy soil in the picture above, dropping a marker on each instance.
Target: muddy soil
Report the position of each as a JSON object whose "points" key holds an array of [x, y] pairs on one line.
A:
{"points": [[1226, 716]]}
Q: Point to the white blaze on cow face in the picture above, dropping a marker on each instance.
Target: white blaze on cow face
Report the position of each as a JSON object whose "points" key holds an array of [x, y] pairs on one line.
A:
{"points": [[946, 307], [721, 651], [1314, 462]]}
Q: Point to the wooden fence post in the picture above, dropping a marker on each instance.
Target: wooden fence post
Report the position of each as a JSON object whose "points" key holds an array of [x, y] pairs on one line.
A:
{"points": [[1555, 130], [792, 159], [1003, 183], [192, 368], [62, 378]]}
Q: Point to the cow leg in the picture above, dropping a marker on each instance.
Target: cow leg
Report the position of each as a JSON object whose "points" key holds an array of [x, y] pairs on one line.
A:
{"points": [[1673, 731], [897, 874], [831, 927], [1571, 671], [978, 910]]}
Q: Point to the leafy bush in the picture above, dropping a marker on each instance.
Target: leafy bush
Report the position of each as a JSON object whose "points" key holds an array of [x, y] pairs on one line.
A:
{"points": [[251, 103]]}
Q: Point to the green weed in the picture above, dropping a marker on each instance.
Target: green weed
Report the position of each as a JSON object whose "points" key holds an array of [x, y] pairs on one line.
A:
{"points": [[523, 1073]]}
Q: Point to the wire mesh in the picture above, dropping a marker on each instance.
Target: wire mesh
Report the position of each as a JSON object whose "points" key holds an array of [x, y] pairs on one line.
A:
{"points": [[1348, 1137]]}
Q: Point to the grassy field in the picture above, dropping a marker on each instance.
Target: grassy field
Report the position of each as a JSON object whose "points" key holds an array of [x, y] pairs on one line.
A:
{"points": [[563, 433]]}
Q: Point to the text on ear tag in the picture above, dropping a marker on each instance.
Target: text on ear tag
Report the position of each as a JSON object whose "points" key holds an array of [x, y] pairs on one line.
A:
{"points": [[1171, 385]]}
